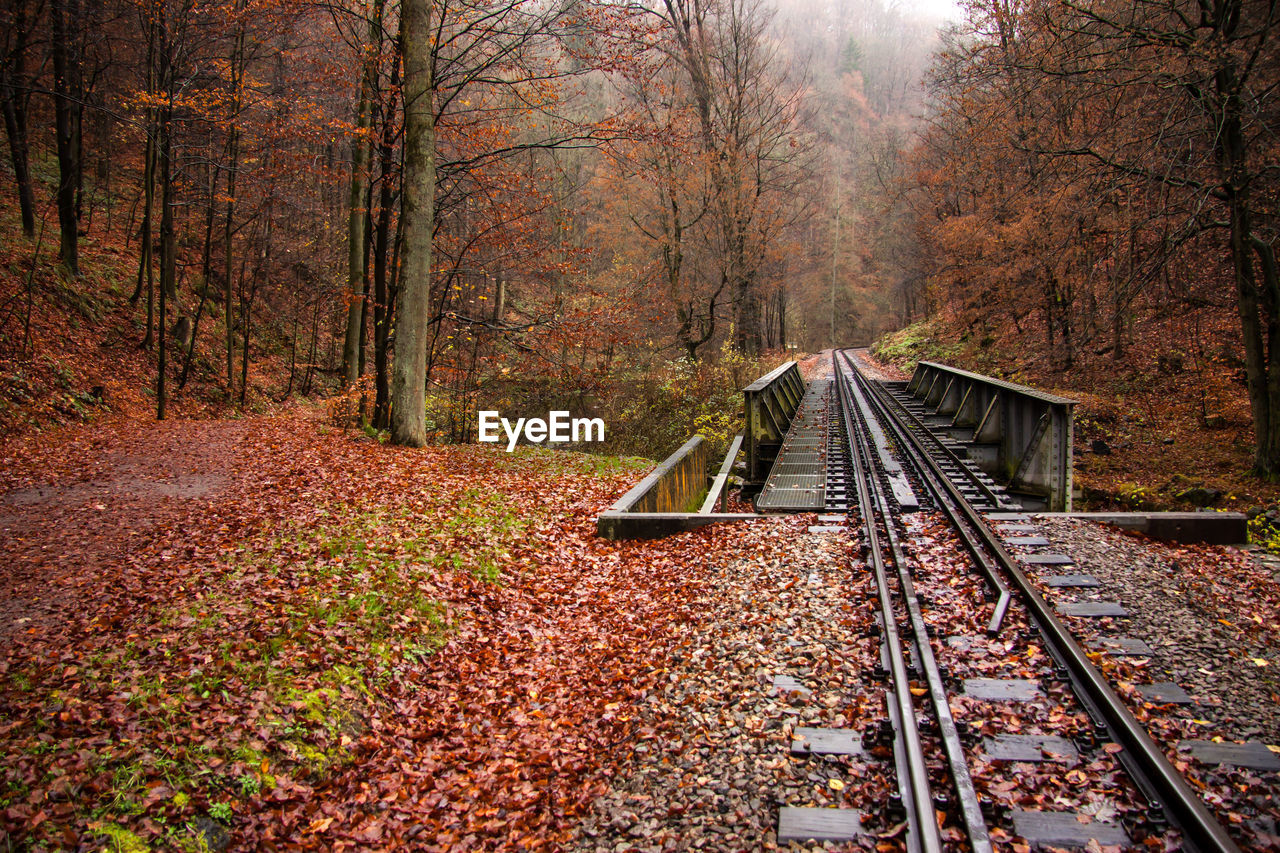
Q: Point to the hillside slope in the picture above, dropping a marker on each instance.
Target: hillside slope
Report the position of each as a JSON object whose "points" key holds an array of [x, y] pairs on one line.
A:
{"points": [[72, 349]]}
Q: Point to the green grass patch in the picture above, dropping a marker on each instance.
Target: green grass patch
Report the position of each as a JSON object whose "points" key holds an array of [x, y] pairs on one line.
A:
{"points": [[920, 341], [117, 839]]}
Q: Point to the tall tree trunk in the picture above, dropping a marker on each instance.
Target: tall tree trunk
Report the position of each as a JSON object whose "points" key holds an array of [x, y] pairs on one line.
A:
{"points": [[15, 125], [195, 335], [748, 311], [381, 290], [409, 371], [261, 269], [148, 181], [228, 230], [146, 259], [360, 200], [358, 209], [782, 316], [246, 319], [206, 269], [1259, 307], [836, 234], [1269, 444], [13, 84], [146, 263], [68, 88], [311, 355], [293, 355], [168, 247], [363, 337]]}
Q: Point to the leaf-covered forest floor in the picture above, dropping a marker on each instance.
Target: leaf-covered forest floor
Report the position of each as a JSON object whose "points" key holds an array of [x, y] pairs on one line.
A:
{"points": [[270, 632], [265, 633]]}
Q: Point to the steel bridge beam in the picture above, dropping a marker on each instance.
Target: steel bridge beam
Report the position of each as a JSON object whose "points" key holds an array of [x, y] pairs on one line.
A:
{"points": [[769, 404], [1020, 436]]}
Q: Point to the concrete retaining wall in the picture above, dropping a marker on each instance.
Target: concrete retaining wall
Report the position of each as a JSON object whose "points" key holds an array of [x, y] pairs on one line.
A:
{"points": [[666, 501], [674, 485]]}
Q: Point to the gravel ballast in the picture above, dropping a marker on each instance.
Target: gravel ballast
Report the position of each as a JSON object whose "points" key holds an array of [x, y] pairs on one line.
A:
{"points": [[712, 766], [783, 638], [1195, 617]]}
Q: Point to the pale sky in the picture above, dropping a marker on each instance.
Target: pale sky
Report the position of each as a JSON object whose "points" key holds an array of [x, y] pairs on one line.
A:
{"points": [[940, 10]]}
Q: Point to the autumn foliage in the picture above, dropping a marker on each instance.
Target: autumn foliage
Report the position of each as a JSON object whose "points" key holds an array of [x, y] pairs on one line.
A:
{"points": [[1095, 194]]}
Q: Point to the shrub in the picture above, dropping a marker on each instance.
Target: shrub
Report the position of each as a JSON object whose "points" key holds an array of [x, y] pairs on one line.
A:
{"points": [[651, 413], [353, 406]]}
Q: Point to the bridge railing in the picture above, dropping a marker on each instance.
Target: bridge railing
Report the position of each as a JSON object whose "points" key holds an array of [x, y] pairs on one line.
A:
{"points": [[674, 497], [769, 404], [1020, 436]]}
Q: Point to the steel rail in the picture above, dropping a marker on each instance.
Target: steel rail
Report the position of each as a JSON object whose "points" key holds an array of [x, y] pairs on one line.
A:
{"points": [[909, 752], [919, 424], [1147, 765], [947, 500], [953, 746]]}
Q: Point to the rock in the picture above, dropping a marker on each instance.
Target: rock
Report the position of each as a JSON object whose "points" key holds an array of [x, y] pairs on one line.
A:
{"points": [[1200, 496], [1170, 364], [1167, 441], [1100, 447], [182, 331], [213, 834]]}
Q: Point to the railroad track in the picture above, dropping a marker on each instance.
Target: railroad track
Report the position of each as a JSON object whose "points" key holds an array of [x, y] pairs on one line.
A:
{"points": [[896, 466]]}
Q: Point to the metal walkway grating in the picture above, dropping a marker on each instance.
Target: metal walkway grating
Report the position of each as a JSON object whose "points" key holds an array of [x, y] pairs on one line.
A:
{"points": [[797, 481]]}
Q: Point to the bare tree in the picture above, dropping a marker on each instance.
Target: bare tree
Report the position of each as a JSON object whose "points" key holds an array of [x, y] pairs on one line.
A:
{"points": [[668, 200], [17, 21], [509, 57], [747, 114], [409, 370], [361, 147]]}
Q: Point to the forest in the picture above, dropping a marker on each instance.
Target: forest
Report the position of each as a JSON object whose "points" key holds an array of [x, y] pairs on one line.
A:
{"points": [[607, 201], [264, 263], [1066, 195]]}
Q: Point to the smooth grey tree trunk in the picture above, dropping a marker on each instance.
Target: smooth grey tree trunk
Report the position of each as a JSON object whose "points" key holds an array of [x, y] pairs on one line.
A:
{"points": [[409, 370]]}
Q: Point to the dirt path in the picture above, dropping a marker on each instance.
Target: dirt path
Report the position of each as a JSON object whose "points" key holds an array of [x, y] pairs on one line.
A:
{"points": [[77, 506]]}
